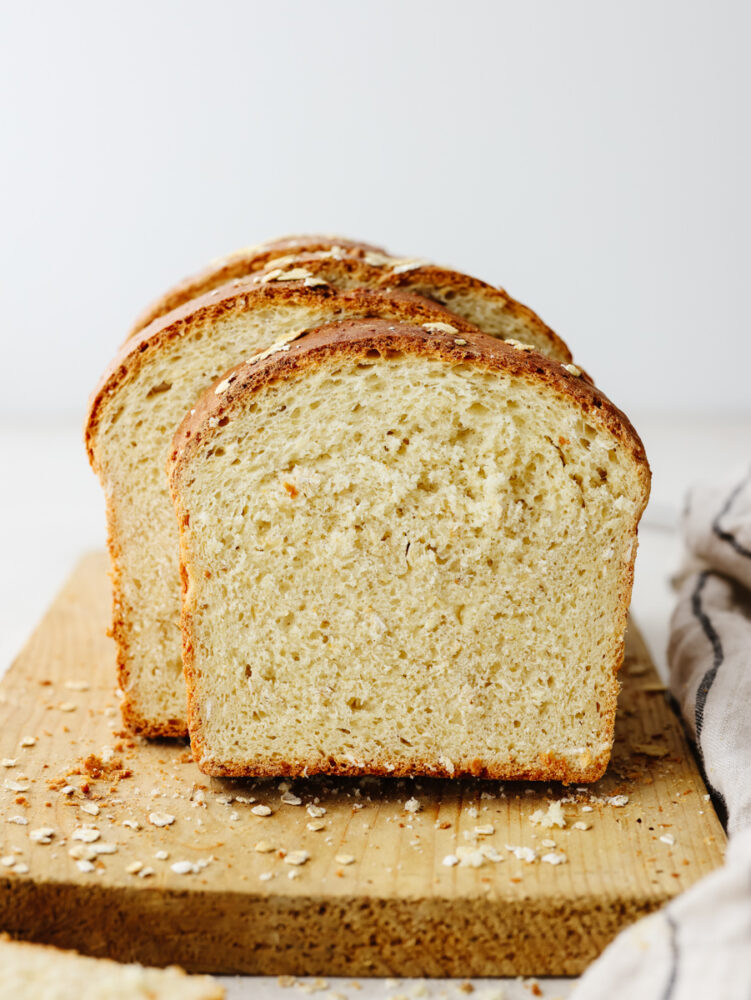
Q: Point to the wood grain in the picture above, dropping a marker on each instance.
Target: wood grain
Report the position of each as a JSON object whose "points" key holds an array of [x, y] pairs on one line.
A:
{"points": [[396, 910]]}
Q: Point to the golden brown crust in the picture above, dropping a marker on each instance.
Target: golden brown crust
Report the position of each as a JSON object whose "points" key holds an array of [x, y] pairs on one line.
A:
{"points": [[241, 264], [244, 295], [352, 339], [428, 280]]}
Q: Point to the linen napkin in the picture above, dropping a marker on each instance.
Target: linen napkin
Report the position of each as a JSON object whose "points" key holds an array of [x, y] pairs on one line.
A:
{"points": [[698, 947]]}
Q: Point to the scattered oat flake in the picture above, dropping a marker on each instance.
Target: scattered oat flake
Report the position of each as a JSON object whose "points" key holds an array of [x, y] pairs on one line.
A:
{"points": [[548, 843], [90, 807], [315, 811], [68, 706], [285, 981], [84, 866], [345, 859], [261, 811], [161, 819], [28, 741], [132, 824], [145, 872], [296, 858], [451, 860], [134, 867], [587, 809], [87, 834], [182, 867], [42, 835], [412, 805], [67, 790], [77, 685], [264, 847], [554, 858], [20, 868], [315, 825], [9, 761], [289, 799], [617, 800], [20, 820], [104, 847], [485, 830], [161, 855], [460, 341], [265, 876], [8, 860], [17, 786], [668, 838]]}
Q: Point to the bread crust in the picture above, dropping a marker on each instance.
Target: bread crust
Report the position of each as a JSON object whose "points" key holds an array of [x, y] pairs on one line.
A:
{"points": [[241, 264], [236, 298], [368, 265], [418, 277], [354, 339]]}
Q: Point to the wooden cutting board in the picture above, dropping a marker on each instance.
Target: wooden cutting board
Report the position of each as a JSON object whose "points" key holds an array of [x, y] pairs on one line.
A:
{"points": [[374, 896]]}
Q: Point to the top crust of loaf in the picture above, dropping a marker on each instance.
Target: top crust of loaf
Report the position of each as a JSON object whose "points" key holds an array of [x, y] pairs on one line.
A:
{"points": [[380, 271], [240, 264], [237, 298], [354, 338]]}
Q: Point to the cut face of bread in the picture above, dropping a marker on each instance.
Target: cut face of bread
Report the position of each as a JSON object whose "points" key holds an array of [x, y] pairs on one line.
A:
{"points": [[405, 552], [148, 389], [36, 972], [242, 263], [349, 265]]}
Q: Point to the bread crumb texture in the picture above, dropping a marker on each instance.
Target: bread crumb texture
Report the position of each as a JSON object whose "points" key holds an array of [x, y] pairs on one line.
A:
{"points": [[396, 562]]}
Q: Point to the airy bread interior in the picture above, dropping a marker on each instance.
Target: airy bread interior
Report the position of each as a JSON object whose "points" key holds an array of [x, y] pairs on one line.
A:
{"points": [[405, 555], [142, 399]]}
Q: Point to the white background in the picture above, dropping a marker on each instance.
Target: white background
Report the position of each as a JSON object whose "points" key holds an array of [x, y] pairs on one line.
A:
{"points": [[591, 156]]}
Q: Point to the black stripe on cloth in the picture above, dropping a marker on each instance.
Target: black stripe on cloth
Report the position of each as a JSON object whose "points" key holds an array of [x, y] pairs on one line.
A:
{"points": [[718, 654], [705, 684], [728, 536], [669, 987]]}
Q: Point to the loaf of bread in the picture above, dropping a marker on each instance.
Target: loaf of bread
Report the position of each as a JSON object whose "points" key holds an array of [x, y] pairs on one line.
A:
{"points": [[347, 265], [154, 380], [36, 972], [405, 550]]}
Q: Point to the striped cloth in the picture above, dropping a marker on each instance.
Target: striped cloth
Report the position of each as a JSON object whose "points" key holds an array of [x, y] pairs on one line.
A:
{"points": [[698, 947]]}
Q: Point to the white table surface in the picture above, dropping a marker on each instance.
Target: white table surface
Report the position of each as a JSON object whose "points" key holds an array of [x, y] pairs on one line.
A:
{"points": [[51, 511]]}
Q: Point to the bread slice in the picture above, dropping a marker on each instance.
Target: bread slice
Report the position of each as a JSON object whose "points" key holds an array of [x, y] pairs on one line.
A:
{"points": [[405, 552], [153, 382], [38, 972], [356, 265], [242, 263]]}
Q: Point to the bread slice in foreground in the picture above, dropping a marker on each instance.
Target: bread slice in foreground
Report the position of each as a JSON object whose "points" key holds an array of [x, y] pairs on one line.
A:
{"points": [[245, 262], [405, 552], [349, 265], [156, 378], [37, 972]]}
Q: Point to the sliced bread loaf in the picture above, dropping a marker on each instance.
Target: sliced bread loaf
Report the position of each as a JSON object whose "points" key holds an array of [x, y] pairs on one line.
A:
{"points": [[155, 379], [37, 972], [244, 262], [405, 551], [353, 265]]}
